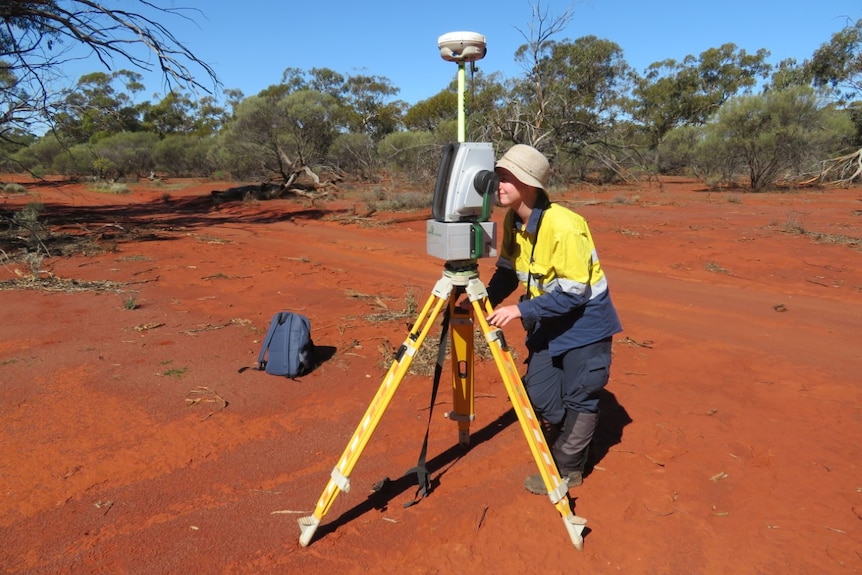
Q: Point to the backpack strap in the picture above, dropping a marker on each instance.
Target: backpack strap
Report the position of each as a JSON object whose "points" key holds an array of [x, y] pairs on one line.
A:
{"points": [[277, 320]]}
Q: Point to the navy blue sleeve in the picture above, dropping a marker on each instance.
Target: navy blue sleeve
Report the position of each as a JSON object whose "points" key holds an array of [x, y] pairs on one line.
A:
{"points": [[503, 282], [552, 304]]}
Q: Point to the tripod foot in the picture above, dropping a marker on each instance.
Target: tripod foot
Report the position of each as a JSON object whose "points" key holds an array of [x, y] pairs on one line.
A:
{"points": [[575, 527], [307, 527]]}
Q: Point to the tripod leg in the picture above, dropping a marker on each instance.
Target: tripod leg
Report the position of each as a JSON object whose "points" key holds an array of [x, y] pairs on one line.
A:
{"points": [[340, 476], [557, 488], [461, 338]]}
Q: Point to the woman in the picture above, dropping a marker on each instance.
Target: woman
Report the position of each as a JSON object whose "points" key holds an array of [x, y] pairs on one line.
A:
{"points": [[566, 309]]}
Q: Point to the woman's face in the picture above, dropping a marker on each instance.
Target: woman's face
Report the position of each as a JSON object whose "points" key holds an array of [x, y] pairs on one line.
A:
{"points": [[511, 192]]}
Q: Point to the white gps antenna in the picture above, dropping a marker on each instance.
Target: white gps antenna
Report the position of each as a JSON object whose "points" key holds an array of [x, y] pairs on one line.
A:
{"points": [[462, 47]]}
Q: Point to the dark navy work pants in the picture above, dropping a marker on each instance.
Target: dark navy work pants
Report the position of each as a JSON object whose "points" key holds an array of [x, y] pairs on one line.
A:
{"points": [[570, 381]]}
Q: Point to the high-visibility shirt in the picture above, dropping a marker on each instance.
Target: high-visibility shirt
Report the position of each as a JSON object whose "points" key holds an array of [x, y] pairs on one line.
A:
{"points": [[569, 304]]}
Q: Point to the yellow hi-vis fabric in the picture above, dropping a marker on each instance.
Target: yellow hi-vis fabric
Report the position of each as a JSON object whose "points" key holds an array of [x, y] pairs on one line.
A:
{"points": [[565, 256]]}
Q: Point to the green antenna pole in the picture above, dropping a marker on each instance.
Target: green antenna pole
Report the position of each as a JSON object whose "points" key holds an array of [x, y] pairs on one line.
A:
{"points": [[462, 131]]}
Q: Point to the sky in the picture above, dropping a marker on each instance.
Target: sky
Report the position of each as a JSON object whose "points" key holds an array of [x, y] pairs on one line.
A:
{"points": [[250, 43]]}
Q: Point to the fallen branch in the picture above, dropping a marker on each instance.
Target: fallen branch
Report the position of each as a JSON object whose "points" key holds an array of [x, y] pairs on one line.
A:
{"points": [[841, 170]]}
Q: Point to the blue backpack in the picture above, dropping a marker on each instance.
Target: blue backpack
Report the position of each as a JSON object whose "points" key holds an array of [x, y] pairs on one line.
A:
{"points": [[287, 349]]}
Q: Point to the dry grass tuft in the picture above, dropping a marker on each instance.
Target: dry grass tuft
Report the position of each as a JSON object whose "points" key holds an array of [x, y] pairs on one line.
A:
{"points": [[53, 283]]}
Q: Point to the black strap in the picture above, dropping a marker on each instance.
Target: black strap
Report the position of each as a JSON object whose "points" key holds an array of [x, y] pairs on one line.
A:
{"points": [[533, 251], [421, 468]]}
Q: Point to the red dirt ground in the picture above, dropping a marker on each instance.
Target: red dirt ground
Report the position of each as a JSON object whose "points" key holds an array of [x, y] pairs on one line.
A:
{"points": [[142, 441]]}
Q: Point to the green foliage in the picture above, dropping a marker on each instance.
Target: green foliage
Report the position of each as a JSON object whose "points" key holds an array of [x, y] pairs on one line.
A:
{"points": [[569, 97], [366, 106], [40, 154], [427, 114], [673, 94], [354, 154], [838, 63], [270, 136], [125, 154], [788, 74], [770, 137], [676, 153], [97, 108], [75, 161], [183, 155], [173, 114], [585, 80], [577, 100], [103, 167], [14, 188], [416, 154], [387, 201], [12, 141]]}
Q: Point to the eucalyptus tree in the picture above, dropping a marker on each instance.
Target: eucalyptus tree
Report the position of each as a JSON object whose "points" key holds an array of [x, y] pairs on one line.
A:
{"points": [[37, 37], [483, 96], [426, 115], [838, 63], [280, 134], [360, 110], [586, 83], [770, 137], [524, 113], [689, 92], [100, 104], [788, 73], [186, 127], [568, 106], [569, 99], [174, 113]]}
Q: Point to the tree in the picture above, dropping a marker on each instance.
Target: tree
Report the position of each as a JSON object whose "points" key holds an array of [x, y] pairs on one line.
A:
{"points": [[95, 108], [410, 153], [183, 155], [524, 120], [673, 94], [38, 157], [365, 98], [838, 63], [280, 136], [429, 113], [586, 80], [484, 95], [788, 73], [125, 154], [173, 114], [14, 141], [779, 135], [36, 37], [353, 154]]}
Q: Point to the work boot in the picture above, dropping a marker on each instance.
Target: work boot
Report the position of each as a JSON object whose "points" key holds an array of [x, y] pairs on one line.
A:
{"points": [[535, 483]]}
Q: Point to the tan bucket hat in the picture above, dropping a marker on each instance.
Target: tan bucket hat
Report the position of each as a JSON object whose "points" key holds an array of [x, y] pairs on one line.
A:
{"points": [[527, 164]]}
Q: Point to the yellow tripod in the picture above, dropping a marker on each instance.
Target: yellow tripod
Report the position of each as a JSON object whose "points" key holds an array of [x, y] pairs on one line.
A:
{"points": [[455, 281]]}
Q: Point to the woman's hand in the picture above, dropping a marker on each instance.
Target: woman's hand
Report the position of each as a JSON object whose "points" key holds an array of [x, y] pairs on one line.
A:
{"points": [[503, 315]]}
